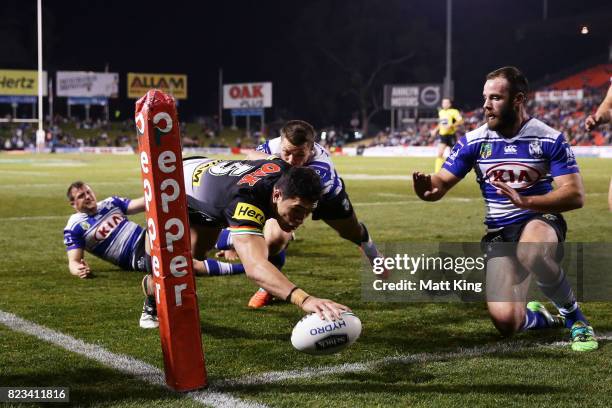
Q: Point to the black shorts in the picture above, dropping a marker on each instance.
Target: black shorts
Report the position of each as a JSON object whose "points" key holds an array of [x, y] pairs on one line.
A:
{"points": [[138, 261], [448, 140], [198, 218], [337, 208], [512, 233]]}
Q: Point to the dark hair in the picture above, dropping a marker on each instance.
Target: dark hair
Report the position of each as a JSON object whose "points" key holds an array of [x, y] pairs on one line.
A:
{"points": [[300, 182], [298, 132], [77, 185], [518, 82]]}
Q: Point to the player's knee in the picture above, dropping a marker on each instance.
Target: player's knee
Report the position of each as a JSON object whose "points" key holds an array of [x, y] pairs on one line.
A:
{"points": [[536, 257], [507, 320]]}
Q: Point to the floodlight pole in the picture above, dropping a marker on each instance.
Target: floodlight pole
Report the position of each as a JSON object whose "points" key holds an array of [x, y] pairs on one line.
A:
{"points": [[448, 91], [40, 133]]}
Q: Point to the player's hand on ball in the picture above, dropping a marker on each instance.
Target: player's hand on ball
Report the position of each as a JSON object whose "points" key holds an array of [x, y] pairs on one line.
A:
{"points": [[326, 309], [422, 186]]}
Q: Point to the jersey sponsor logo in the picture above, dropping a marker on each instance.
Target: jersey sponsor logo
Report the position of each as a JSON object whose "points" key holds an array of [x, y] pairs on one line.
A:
{"points": [[230, 168], [515, 175], [196, 178], [249, 212], [107, 227], [486, 150], [510, 149], [535, 149], [252, 178]]}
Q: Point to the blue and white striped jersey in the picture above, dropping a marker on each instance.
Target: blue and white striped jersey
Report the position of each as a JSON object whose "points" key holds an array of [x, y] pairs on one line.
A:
{"points": [[526, 162], [108, 234], [319, 162]]}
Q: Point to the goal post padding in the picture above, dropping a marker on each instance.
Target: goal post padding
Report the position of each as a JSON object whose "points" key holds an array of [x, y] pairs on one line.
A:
{"points": [[159, 147]]}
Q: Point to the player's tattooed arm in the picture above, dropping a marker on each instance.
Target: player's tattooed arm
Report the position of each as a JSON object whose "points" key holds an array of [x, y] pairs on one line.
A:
{"points": [[569, 195], [432, 187]]}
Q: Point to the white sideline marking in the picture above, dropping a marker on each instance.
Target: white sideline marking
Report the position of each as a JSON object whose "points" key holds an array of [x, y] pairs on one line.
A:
{"points": [[125, 364], [309, 372]]}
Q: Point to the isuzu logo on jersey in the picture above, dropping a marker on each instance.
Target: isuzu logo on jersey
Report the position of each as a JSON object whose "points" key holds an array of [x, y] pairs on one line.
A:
{"points": [[514, 174], [107, 227]]}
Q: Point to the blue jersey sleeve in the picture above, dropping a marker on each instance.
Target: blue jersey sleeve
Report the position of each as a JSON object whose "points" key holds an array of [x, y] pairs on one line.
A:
{"points": [[462, 158], [122, 203], [264, 147], [73, 239], [562, 159], [323, 170]]}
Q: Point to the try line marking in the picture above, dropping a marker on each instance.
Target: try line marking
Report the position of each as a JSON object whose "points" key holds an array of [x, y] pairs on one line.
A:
{"points": [[120, 362], [512, 346], [215, 396]]}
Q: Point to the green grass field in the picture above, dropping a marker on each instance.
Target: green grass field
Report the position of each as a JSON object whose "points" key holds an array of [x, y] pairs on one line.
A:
{"points": [[458, 359]]}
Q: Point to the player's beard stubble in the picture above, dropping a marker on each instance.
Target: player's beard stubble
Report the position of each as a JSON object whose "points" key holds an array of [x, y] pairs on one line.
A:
{"points": [[505, 120]]}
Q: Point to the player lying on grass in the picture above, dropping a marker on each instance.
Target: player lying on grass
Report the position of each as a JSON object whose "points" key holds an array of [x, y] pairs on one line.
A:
{"points": [[242, 195], [297, 146], [516, 158], [103, 229]]}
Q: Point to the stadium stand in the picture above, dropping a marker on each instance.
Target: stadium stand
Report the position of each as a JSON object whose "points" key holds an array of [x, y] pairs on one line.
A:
{"points": [[565, 115]]}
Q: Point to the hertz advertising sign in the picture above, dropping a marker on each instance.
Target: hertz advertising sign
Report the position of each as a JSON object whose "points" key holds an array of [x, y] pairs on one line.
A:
{"points": [[173, 84], [21, 82]]}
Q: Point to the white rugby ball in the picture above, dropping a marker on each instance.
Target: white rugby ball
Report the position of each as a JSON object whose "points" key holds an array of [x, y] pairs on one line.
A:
{"points": [[314, 335]]}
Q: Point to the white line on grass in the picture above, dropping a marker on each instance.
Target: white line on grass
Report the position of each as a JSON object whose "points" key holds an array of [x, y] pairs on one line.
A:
{"points": [[125, 364], [420, 358], [153, 375], [349, 176], [65, 185]]}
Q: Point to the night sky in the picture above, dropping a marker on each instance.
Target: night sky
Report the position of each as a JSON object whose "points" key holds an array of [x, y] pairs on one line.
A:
{"points": [[316, 53]]}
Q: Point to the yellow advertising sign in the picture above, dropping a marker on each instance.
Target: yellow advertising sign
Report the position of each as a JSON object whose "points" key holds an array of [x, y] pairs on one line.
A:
{"points": [[173, 84], [21, 82]]}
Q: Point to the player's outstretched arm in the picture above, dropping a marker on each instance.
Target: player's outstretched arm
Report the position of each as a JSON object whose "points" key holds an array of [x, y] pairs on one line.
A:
{"points": [[136, 206], [77, 265], [603, 113], [569, 195], [253, 253], [432, 187]]}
